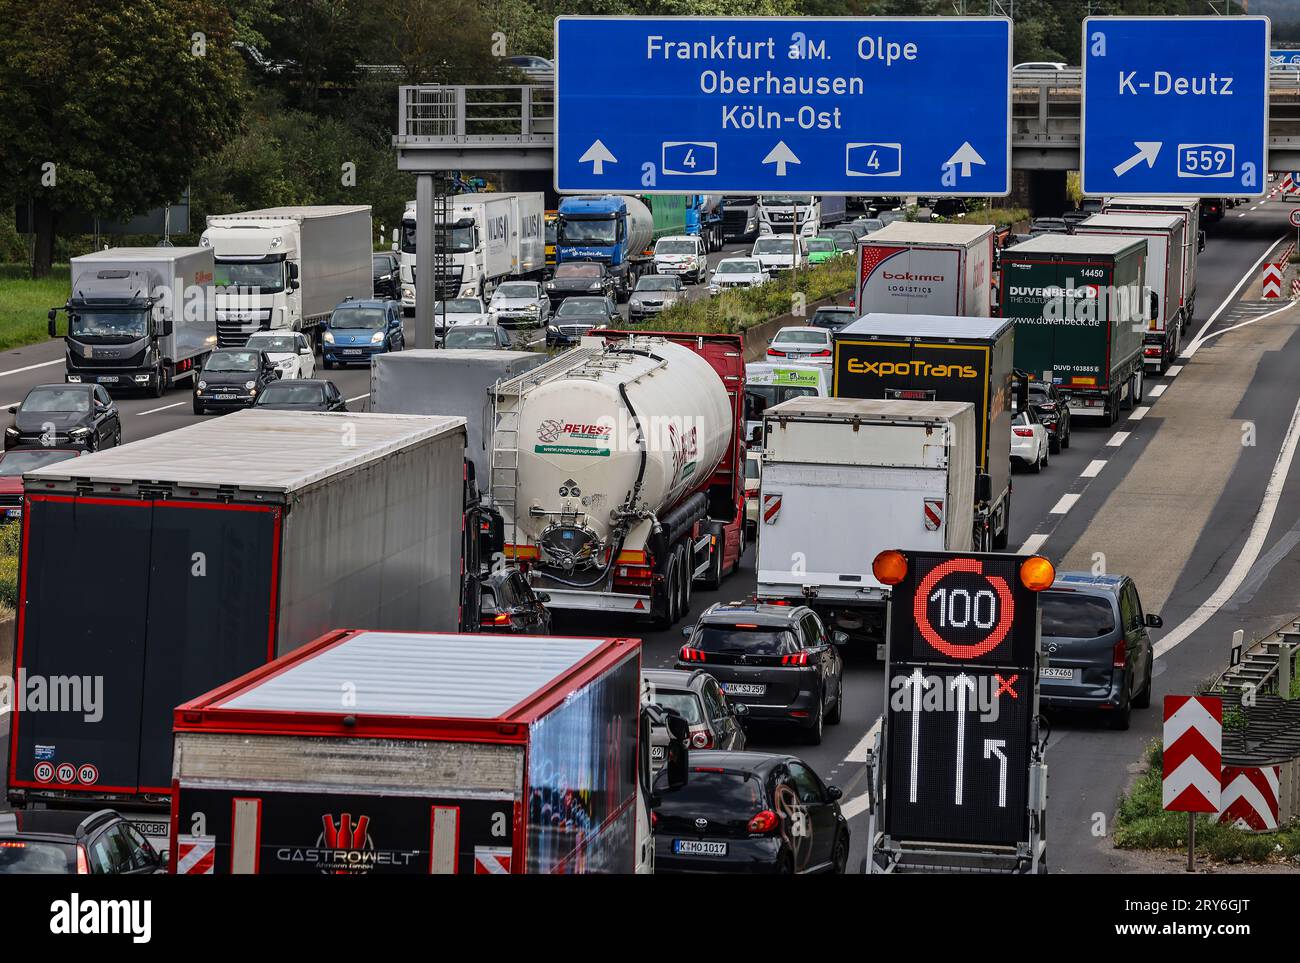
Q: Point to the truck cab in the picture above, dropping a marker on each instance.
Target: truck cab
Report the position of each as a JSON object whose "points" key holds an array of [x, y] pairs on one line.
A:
{"points": [[596, 229], [256, 279]]}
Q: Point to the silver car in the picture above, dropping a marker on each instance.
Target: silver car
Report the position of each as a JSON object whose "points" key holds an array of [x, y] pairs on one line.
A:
{"points": [[652, 294], [519, 304], [738, 272]]}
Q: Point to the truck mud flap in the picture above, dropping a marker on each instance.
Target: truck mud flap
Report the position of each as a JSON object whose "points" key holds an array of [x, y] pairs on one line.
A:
{"points": [[598, 601]]}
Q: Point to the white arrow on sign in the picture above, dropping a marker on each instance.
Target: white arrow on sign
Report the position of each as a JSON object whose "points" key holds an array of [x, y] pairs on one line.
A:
{"points": [[598, 154], [964, 686], [780, 155], [1147, 151], [993, 747], [963, 158]]}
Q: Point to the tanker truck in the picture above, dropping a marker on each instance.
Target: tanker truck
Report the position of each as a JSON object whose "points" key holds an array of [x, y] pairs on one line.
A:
{"points": [[616, 467], [618, 230]]}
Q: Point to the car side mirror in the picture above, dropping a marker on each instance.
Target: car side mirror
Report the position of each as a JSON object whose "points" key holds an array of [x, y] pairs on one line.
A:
{"points": [[839, 638], [542, 596], [52, 329], [686, 633], [739, 708], [1154, 621], [834, 792], [293, 284], [13, 409]]}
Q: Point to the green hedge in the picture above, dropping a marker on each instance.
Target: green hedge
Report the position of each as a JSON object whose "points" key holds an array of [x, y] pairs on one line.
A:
{"points": [[998, 216], [10, 534]]}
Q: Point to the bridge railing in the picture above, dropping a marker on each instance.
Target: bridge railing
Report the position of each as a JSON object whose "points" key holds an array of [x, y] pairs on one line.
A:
{"points": [[476, 114]]}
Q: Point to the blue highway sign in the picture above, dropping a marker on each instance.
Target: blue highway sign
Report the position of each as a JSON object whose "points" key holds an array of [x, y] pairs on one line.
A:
{"points": [[1175, 106], [777, 104]]}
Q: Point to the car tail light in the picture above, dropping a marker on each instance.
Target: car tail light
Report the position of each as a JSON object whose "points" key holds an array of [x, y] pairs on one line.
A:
{"points": [[1024, 432], [763, 822], [775, 353], [1121, 654], [1152, 351], [501, 618], [83, 862], [799, 658], [821, 354], [692, 655], [654, 819], [701, 740]]}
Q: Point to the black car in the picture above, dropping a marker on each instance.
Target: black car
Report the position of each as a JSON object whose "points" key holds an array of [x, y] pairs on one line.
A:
{"points": [[65, 842], [1049, 225], [233, 378], [576, 316], [507, 603], [490, 336], [1097, 650], [844, 238], [387, 271], [65, 416], [776, 659], [580, 277], [713, 722], [833, 316], [749, 812], [301, 394], [1053, 407]]}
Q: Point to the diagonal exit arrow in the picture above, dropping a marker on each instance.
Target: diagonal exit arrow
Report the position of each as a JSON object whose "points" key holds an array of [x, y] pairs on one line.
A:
{"points": [[598, 156], [780, 155], [1147, 151]]}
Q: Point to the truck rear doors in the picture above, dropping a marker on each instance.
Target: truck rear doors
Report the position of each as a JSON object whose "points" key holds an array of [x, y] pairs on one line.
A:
{"points": [[910, 279], [1059, 309]]}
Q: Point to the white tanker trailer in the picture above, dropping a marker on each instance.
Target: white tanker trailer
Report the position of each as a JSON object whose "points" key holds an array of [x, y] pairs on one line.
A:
{"points": [[614, 466]]}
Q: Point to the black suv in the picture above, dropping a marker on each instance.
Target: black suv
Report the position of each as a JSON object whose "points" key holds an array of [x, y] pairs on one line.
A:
{"points": [[508, 604], [65, 416], [1053, 407], [778, 660], [65, 842]]}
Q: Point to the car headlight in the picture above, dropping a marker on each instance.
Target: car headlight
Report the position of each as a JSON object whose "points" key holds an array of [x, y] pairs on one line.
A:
{"points": [[377, 337], [78, 432], [202, 385], [250, 385], [11, 432], [713, 289], [408, 292], [328, 337], [550, 285], [532, 309], [594, 286]]}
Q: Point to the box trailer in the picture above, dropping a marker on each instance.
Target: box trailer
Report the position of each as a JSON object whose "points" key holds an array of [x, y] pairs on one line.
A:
{"points": [[916, 268], [1163, 273], [1081, 316], [456, 383], [459, 754], [878, 474], [915, 357], [208, 551], [1189, 209]]}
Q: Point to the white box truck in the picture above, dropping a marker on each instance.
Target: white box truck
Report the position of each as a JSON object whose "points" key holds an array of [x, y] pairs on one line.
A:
{"points": [[287, 268], [138, 317], [490, 238], [846, 478], [808, 213], [1189, 209], [915, 268], [1164, 234]]}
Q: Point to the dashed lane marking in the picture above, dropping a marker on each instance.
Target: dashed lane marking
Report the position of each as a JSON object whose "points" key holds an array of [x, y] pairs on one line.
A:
{"points": [[1093, 468], [1139, 413], [1033, 543], [163, 408], [1172, 372], [1064, 505], [30, 367], [1157, 391], [1117, 439]]}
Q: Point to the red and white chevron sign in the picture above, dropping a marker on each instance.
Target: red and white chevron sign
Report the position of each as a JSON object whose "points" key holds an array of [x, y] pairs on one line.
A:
{"points": [[1272, 281], [771, 507], [1249, 796], [1193, 753]]}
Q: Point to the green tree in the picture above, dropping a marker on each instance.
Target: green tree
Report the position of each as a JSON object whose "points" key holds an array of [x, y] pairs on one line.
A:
{"points": [[105, 107]]}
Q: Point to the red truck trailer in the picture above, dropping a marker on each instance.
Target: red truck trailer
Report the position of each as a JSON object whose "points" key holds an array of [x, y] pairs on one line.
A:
{"points": [[390, 752]]}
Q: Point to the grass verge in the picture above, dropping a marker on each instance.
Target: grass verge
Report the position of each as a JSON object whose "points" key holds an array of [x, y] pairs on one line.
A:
{"points": [[24, 303], [10, 536]]}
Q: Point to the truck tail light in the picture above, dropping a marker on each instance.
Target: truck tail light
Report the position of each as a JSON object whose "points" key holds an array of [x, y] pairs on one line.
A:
{"points": [[501, 618], [83, 862], [692, 655], [701, 740], [1152, 351], [1121, 654], [1024, 432], [799, 658], [763, 822]]}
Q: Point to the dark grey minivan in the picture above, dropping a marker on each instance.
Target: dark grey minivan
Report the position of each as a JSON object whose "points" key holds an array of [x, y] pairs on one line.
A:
{"points": [[1097, 651]]}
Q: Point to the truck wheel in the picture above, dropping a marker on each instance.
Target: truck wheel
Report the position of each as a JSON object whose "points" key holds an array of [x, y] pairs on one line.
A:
{"points": [[158, 384], [1136, 391], [684, 566]]}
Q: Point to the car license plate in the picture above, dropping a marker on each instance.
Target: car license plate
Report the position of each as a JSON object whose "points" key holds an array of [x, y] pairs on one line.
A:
{"points": [[351, 350], [1056, 672], [744, 688], [223, 397], [795, 355], [13, 513], [698, 847], [657, 753], [107, 379]]}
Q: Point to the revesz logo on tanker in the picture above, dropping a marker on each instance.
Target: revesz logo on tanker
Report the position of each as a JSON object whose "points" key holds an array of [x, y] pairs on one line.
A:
{"points": [[922, 368]]}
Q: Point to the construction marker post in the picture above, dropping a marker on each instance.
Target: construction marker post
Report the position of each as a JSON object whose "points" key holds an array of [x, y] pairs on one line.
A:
{"points": [[1192, 760]]}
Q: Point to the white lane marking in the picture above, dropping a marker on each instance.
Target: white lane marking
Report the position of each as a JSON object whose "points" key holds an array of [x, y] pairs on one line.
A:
{"points": [[1139, 413], [1242, 214], [1117, 439], [1249, 551], [360, 397], [1094, 468], [1255, 208], [30, 367], [1065, 503], [1157, 391], [1033, 543], [855, 806], [1253, 272], [859, 752], [1173, 370], [163, 408], [1215, 334]]}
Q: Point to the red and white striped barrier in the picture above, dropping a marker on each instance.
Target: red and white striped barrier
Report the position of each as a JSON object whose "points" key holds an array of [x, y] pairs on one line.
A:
{"points": [[1193, 753], [1295, 289], [1249, 797], [1272, 281]]}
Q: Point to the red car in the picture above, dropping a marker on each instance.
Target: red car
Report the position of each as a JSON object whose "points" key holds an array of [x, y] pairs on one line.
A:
{"points": [[12, 465]]}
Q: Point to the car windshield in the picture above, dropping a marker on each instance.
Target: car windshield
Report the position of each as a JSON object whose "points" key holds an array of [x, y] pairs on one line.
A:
{"points": [[380, 265], [459, 239], [273, 343], [820, 245], [517, 289], [773, 245], [1022, 419], [584, 230], [685, 704], [831, 319], [266, 276], [1038, 392], [656, 282], [739, 200], [288, 393], [21, 856], [458, 306], [588, 270], [551, 231], [17, 462], [233, 361], [719, 797], [109, 324], [471, 338], [1073, 615], [675, 247], [57, 399], [873, 223], [739, 267], [785, 200], [734, 639], [800, 337], [845, 240], [581, 309], [357, 318]]}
